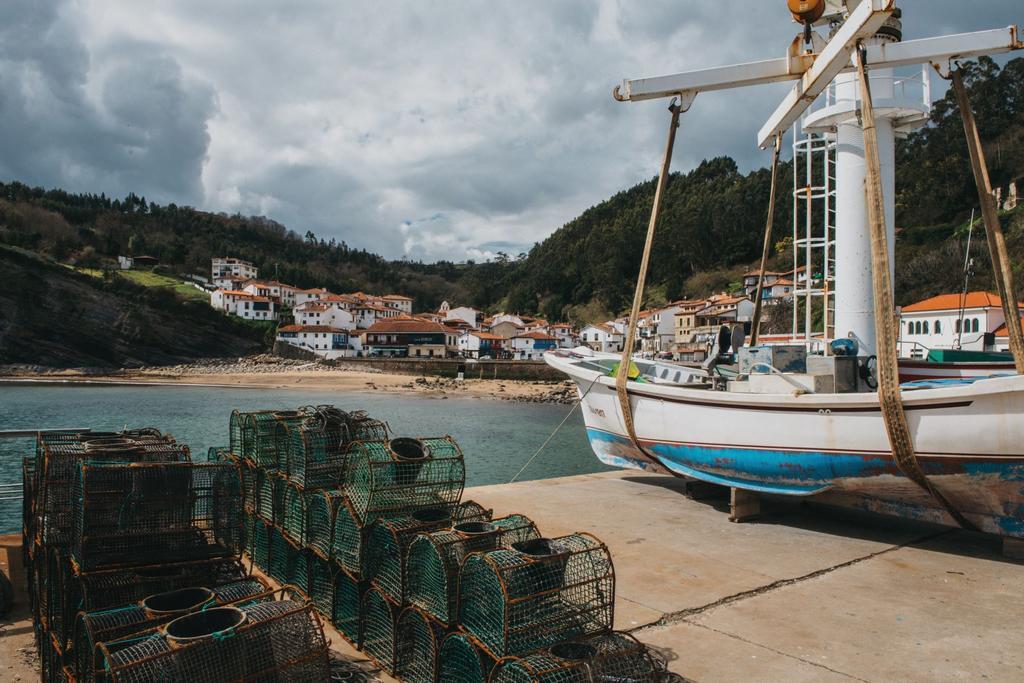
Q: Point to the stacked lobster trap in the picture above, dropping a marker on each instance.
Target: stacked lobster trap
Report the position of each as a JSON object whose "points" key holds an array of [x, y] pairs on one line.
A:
{"points": [[428, 586], [126, 535]]}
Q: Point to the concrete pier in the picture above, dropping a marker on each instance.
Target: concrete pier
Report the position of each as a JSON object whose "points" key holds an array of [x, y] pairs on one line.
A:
{"points": [[802, 593]]}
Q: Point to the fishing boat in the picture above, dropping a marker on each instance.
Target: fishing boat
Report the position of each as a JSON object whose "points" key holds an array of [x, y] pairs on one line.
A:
{"points": [[838, 427], [956, 364]]}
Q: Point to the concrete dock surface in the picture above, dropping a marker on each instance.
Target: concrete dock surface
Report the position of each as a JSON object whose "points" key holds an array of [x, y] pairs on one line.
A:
{"points": [[804, 593]]}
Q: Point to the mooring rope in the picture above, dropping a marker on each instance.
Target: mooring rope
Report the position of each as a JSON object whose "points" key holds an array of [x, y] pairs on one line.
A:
{"points": [[622, 377], [1001, 264], [889, 397], [766, 247], [537, 452]]}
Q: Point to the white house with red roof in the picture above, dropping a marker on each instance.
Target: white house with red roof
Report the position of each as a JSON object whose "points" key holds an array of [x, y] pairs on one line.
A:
{"points": [[323, 340], [563, 332], [969, 321], [603, 337], [245, 305], [532, 345]]}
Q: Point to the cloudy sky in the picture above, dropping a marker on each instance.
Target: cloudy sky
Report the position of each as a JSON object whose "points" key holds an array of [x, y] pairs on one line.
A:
{"points": [[424, 129]]}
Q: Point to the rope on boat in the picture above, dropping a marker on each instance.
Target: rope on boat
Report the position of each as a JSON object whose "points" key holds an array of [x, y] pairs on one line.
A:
{"points": [[766, 247], [889, 398], [1001, 263], [622, 377], [552, 435]]}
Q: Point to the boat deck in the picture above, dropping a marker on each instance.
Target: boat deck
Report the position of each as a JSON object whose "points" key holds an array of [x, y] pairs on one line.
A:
{"points": [[805, 593]]}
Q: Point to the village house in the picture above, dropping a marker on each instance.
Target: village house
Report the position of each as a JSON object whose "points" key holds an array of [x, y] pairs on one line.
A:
{"points": [[227, 267], [475, 344], [971, 322], [532, 345], [245, 305], [506, 329], [563, 333], [603, 337], [323, 340], [400, 303], [314, 294], [464, 313], [405, 337]]}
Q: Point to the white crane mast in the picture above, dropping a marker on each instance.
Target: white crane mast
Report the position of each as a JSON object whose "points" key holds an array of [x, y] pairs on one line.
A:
{"points": [[875, 26]]}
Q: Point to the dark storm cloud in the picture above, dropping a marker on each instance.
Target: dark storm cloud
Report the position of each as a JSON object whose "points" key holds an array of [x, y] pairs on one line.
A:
{"points": [[430, 130], [134, 124]]}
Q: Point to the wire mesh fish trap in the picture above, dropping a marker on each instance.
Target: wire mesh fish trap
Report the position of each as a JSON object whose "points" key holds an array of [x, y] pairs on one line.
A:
{"points": [[463, 660], [51, 659], [256, 437], [434, 559], [155, 512], [348, 539], [280, 640], [388, 542], [609, 657], [101, 626], [346, 605], [55, 609], [417, 647], [321, 509], [321, 584], [61, 457], [270, 489], [394, 478], [377, 639], [316, 447], [537, 593], [260, 533], [284, 557], [294, 518]]}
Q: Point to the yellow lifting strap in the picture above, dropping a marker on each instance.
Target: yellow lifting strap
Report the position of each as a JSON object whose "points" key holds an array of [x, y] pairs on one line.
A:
{"points": [[622, 377], [755, 323], [889, 397], [1001, 264]]}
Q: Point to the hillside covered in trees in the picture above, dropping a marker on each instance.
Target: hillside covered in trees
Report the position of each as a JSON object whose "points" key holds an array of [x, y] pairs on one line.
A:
{"points": [[710, 230]]}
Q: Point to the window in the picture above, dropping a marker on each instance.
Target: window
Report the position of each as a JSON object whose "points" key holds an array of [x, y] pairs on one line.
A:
{"points": [[956, 327], [938, 327], [910, 328], [926, 327], [974, 326]]}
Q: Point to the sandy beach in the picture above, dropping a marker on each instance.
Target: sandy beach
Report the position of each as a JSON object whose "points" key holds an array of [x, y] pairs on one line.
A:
{"points": [[264, 372]]}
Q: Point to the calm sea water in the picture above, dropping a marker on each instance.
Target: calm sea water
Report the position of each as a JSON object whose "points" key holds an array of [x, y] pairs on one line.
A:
{"points": [[496, 436]]}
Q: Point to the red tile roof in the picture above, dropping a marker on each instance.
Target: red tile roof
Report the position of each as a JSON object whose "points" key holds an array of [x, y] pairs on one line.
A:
{"points": [[952, 302], [310, 328], [396, 297], [535, 335], [405, 325]]}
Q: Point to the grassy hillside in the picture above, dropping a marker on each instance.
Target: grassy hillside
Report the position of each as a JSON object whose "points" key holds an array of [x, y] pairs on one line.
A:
{"points": [[51, 315]]}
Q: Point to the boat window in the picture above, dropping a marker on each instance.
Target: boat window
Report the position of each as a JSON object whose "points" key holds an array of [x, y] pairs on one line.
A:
{"points": [[664, 373], [678, 376], [938, 327]]}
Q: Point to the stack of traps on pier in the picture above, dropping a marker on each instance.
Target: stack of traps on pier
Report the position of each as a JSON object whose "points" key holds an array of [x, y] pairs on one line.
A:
{"points": [[124, 537], [428, 586]]}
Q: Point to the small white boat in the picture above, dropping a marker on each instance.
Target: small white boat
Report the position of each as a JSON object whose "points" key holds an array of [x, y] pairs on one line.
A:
{"points": [[969, 439]]}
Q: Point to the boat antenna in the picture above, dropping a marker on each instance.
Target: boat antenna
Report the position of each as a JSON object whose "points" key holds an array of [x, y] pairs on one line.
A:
{"points": [[968, 264]]}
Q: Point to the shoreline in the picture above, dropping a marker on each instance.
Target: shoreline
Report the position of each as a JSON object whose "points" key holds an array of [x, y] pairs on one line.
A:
{"points": [[292, 375]]}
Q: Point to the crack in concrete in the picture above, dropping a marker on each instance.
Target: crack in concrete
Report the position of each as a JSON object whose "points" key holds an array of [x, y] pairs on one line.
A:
{"points": [[779, 652], [685, 614]]}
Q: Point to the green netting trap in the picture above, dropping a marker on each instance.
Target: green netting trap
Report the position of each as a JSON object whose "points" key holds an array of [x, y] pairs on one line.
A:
{"points": [[58, 457], [259, 542], [102, 626], [394, 478], [286, 563], [320, 512], [608, 657], [270, 489], [462, 660], [417, 647], [321, 584], [434, 559], [346, 606], [378, 630], [267, 641], [294, 519], [387, 543], [537, 593], [256, 437], [316, 446], [348, 539], [147, 513]]}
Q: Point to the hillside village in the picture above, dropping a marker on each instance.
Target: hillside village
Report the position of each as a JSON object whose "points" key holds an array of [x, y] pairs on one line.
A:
{"points": [[357, 324]]}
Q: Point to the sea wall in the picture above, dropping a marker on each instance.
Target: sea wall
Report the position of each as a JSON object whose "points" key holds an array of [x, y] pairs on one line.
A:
{"points": [[535, 371]]}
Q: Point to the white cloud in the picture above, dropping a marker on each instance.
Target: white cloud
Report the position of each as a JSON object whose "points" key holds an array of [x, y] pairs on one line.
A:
{"points": [[421, 129]]}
